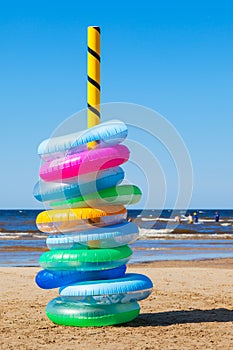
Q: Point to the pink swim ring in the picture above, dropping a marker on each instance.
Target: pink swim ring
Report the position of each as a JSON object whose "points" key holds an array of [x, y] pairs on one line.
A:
{"points": [[84, 163]]}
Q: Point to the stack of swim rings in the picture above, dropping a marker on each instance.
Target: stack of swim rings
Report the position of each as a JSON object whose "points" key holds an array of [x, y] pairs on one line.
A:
{"points": [[88, 231]]}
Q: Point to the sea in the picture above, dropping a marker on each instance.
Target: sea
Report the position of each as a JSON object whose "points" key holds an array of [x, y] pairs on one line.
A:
{"points": [[161, 236]]}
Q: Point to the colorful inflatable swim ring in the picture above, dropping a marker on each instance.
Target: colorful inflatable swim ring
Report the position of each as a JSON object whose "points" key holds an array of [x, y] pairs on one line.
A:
{"points": [[48, 279], [81, 185], [83, 163], [106, 134], [85, 259], [124, 194], [71, 220], [81, 315], [127, 289], [103, 237]]}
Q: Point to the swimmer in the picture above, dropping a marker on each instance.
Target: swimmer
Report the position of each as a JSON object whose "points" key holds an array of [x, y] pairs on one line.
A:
{"points": [[190, 218], [178, 219], [216, 216], [195, 217]]}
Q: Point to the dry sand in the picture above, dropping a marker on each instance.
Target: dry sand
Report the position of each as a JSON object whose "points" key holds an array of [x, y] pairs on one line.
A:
{"points": [[190, 308]]}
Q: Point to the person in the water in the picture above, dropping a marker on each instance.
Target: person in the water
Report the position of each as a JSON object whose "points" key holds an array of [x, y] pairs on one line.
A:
{"points": [[195, 217], [190, 218], [216, 216], [178, 218]]}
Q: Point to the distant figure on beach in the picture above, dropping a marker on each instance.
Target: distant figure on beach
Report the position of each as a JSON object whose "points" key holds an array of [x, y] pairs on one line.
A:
{"points": [[190, 219], [216, 216], [178, 218], [195, 217]]}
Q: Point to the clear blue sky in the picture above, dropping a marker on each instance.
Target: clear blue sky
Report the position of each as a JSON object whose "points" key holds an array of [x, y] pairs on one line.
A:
{"points": [[172, 56]]}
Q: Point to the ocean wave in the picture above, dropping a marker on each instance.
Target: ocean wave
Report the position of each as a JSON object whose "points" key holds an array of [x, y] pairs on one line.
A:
{"points": [[21, 235], [166, 219], [15, 233], [9, 237], [8, 230], [167, 233], [183, 218], [211, 220], [143, 232], [42, 236]]}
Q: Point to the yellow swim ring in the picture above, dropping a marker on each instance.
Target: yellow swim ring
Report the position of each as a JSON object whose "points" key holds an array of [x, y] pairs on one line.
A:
{"points": [[78, 219]]}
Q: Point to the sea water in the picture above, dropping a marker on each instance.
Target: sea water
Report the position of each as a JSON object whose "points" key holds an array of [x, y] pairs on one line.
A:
{"points": [[161, 237]]}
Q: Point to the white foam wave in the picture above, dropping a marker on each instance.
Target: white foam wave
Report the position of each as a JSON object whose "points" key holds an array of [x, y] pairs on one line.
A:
{"points": [[18, 235], [14, 234], [143, 232], [40, 236], [167, 233], [183, 218], [24, 234], [9, 237], [213, 220], [166, 219]]}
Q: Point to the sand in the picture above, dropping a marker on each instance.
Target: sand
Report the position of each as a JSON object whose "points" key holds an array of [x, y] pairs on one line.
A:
{"points": [[190, 308]]}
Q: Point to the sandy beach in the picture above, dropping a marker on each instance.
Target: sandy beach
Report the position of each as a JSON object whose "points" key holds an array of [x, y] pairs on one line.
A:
{"points": [[190, 308]]}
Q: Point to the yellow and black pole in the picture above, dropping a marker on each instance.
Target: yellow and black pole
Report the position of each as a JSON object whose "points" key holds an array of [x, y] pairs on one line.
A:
{"points": [[93, 78]]}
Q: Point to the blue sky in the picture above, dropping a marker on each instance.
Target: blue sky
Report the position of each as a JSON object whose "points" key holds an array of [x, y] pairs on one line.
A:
{"points": [[172, 56]]}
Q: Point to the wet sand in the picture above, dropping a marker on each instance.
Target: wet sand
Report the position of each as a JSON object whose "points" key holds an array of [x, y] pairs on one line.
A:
{"points": [[190, 308]]}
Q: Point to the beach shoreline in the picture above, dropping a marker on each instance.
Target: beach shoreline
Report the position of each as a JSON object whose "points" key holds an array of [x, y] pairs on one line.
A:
{"points": [[190, 308]]}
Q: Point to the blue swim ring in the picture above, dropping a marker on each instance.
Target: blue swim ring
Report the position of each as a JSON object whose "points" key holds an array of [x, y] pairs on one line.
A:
{"points": [[83, 185], [129, 288], [48, 279], [106, 134], [103, 237]]}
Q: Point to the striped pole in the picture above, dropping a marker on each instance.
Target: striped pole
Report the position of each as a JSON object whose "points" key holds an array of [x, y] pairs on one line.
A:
{"points": [[93, 77]]}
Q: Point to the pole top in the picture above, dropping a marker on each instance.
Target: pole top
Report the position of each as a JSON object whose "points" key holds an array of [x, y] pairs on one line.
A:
{"points": [[95, 27]]}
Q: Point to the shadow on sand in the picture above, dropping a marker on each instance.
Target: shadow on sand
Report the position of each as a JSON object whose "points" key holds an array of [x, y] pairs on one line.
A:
{"points": [[169, 318]]}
